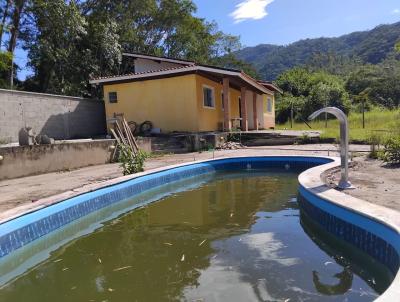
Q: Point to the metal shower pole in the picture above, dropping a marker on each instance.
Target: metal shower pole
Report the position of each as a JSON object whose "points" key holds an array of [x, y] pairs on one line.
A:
{"points": [[344, 143]]}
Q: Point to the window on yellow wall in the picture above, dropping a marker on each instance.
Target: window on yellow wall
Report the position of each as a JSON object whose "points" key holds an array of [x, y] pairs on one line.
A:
{"points": [[222, 100], [208, 97], [269, 104], [113, 97]]}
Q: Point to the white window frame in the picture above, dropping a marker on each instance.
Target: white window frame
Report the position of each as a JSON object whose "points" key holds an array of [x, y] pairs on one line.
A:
{"points": [[212, 94]]}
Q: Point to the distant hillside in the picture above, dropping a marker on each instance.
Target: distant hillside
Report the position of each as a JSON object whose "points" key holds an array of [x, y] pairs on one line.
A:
{"points": [[371, 46]]}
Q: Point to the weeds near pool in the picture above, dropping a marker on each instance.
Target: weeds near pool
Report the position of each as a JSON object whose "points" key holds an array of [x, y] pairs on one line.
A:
{"points": [[234, 136], [375, 141], [391, 150], [130, 162]]}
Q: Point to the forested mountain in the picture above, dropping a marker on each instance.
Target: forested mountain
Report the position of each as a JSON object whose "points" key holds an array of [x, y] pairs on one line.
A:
{"points": [[373, 46]]}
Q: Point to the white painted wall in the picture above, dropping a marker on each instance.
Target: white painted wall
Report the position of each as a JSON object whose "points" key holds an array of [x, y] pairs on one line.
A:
{"points": [[143, 65]]}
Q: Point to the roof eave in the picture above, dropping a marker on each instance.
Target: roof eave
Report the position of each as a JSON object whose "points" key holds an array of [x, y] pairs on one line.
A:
{"points": [[244, 77], [275, 87], [254, 82]]}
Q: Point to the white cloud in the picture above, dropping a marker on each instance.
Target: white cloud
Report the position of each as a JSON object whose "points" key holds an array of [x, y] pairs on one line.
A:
{"points": [[396, 11], [268, 247], [250, 10]]}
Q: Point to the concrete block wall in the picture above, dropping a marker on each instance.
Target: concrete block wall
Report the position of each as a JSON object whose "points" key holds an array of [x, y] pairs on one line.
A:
{"points": [[23, 161], [31, 160], [60, 117]]}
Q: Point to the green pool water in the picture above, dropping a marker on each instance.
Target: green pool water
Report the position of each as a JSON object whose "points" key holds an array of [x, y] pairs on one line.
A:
{"points": [[228, 237]]}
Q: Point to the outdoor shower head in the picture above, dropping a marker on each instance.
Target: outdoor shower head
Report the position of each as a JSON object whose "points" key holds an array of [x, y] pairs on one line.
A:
{"points": [[331, 110], [315, 114]]}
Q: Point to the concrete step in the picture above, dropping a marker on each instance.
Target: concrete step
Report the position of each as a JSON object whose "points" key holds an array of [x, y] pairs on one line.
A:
{"points": [[168, 145]]}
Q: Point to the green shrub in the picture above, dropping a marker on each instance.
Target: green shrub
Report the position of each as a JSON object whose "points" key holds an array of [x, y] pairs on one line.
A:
{"points": [[130, 162], [234, 137], [391, 150]]}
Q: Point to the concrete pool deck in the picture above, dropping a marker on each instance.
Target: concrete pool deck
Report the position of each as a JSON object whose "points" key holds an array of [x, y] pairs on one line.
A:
{"points": [[21, 194]]}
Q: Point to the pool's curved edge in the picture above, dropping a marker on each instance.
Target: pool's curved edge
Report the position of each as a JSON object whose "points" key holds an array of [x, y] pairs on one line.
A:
{"points": [[344, 211], [311, 186]]}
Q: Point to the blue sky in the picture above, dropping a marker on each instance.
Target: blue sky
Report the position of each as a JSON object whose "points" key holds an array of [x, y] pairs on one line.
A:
{"points": [[286, 21]]}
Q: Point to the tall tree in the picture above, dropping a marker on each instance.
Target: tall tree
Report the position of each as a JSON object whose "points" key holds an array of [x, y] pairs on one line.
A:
{"points": [[5, 10], [70, 41], [17, 14], [53, 42]]}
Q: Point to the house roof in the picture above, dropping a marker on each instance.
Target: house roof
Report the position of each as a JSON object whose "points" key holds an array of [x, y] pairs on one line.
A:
{"points": [[157, 58], [188, 67], [270, 86]]}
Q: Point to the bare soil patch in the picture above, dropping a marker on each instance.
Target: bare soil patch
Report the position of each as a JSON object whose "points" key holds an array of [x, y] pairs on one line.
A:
{"points": [[374, 181]]}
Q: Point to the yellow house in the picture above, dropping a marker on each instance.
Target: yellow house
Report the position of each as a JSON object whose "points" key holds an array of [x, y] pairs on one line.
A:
{"points": [[180, 95]]}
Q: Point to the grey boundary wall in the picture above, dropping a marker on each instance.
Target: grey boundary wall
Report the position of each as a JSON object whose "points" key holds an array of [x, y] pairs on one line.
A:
{"points": [[20, 161], [59, 117]]}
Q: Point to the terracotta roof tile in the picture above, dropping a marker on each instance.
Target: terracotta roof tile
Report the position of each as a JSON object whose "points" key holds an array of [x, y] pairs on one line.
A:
{"points": [[142, 73]]}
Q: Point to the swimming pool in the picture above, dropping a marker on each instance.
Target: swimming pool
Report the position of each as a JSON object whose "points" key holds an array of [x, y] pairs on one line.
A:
{"points": [[221, 230]]}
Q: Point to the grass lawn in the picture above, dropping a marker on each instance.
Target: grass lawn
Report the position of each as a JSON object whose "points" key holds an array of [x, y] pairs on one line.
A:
{"points": [[377, 122]]}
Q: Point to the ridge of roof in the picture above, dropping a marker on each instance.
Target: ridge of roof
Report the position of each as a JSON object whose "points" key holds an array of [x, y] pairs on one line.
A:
{"points": [[139, 73], [218, 67], [160, 58]]}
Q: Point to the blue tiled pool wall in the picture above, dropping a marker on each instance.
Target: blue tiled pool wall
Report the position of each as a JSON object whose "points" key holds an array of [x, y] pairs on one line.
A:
{"points": [[293, 164], [23, 230], [357, 232]]}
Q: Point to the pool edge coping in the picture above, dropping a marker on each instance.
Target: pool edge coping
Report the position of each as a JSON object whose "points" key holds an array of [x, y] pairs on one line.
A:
{"points": [[311, 181]]}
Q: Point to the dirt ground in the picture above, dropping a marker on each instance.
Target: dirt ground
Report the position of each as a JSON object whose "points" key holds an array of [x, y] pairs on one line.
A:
{"points": [[373, 181]]}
